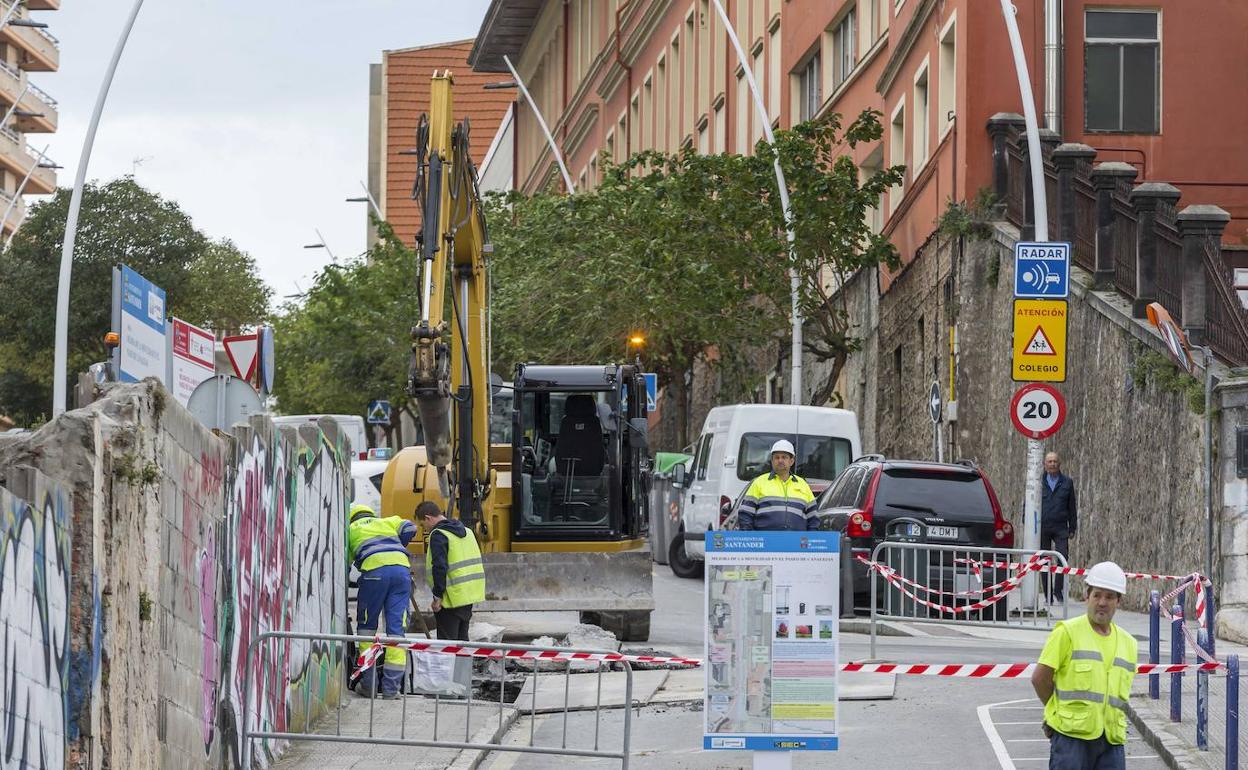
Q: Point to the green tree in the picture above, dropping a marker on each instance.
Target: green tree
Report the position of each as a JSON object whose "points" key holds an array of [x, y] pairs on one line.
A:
{"points": [[121, 222], [674, 246], [223, 290], [347, 341], [833, 234]]}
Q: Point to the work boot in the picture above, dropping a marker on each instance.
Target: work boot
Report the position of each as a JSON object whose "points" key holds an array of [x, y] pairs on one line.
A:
{"points": [[390, 696]]}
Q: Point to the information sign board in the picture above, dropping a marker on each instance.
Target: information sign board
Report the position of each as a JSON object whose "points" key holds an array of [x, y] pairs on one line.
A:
{"points": [[193, 360], [1039, 340], [771, 640], [142, 348]]}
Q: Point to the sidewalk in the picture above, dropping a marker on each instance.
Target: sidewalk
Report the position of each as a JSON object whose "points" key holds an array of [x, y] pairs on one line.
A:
{"points": [[1175, 742]]}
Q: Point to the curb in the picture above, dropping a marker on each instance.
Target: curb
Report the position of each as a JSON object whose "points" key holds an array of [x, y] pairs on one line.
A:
{"points": [[471, 759], [882, 628], [1172, 749]]}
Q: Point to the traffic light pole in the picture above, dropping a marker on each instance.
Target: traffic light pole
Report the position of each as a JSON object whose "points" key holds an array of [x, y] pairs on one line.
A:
{"points": [[1035, 451]]}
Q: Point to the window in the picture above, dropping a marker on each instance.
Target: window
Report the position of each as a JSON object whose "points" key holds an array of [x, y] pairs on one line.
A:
{"points": [[621, 131], [810, 98], [660, 100], [610, 146], [720, 131], [743, 115], [704, 138], [818, 457], [844, 48], [897, 152], [773, 74], [1122, 71], [877, 20], [873, 165], [844, 492], [687, 93], [634, 125], [756, 121], [921, 121], [673, 125], [947, 86], [646, 133]]}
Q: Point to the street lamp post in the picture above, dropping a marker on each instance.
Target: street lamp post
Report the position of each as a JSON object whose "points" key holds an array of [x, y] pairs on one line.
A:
{"points": [[61, 356]]}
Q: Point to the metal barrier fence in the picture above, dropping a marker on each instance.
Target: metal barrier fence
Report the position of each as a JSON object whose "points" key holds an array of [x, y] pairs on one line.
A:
{"points": [[502, 655], [967, 585], [1216, 729]]}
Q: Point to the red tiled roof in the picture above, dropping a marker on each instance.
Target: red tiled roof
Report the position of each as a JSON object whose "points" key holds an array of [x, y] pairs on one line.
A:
{"points": [[407, 74]]}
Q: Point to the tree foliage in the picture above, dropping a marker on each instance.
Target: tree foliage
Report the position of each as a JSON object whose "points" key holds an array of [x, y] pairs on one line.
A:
{"points": [[347, 341], [120, 223]]}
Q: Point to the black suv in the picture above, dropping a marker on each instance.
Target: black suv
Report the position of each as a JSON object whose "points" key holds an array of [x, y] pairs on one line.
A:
{"points": [[939, 503]]}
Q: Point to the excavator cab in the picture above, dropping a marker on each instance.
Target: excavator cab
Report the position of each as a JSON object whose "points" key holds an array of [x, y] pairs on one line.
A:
{"points": [[578, 454]]}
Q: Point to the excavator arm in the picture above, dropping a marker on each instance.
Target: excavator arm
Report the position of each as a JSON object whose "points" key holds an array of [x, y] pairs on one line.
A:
{"points": [[448, 375]]}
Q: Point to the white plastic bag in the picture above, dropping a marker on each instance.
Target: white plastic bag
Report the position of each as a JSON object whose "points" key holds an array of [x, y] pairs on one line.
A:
{"points": [[434, 673]]}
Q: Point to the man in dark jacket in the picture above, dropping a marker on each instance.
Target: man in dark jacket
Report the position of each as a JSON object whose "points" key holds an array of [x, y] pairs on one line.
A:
{"points": [[1059, 517], [453, 570]]}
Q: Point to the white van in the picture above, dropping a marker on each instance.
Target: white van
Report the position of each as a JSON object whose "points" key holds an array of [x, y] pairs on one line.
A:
{"points": [[735, 447]]}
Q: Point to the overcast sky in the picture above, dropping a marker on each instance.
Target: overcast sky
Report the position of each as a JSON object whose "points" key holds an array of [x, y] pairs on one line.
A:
{"points": [[252, 115]]}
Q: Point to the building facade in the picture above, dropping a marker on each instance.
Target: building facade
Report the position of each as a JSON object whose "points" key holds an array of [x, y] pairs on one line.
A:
{"points": [[1140, 83], [399, 95], [25, 47]]}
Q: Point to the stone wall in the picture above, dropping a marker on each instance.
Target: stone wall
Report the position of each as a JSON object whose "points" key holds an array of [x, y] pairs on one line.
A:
{"points": [[187, 545], [1133, 446]]}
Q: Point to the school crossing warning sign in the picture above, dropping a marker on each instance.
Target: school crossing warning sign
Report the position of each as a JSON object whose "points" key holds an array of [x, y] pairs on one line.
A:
{"points": [[1039, 340]]}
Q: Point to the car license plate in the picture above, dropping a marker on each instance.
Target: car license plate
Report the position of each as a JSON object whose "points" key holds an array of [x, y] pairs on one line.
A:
{"points": [[944, 533]]}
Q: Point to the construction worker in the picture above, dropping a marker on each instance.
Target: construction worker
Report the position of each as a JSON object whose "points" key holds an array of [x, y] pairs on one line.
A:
{"points": [[1083, 678], [453, 570], [778, 499], [378, 548]]}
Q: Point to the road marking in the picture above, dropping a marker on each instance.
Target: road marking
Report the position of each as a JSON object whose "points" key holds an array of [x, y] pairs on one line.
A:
{"points": [[994, 739], [1036, 708], [1016, 723]]}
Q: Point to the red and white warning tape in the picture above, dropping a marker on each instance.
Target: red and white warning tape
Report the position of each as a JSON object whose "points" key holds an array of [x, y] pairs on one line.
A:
{"points": [[1009, 584], [369, 657], [1006, 584], [1004, 670], [1068, 570]]}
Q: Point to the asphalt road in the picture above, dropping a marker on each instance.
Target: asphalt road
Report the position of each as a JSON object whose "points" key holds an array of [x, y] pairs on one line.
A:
{"points": [[931, 723]]}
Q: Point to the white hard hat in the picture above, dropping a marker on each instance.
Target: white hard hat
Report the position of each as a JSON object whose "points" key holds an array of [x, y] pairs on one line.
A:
{"points": [[783, 445], [1107, 575]]}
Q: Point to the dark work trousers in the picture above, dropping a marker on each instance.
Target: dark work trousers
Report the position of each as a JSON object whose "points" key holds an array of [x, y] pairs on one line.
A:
{"points": [[453, 622], [1052, 541], [1066, 753]]}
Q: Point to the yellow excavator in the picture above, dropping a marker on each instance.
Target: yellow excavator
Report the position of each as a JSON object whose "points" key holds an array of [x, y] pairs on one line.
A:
{"points": [[560, 510]]}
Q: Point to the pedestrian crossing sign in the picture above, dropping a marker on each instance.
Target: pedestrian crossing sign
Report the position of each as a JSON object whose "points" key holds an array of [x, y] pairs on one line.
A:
{"points": [[379, 412], [1039, 340]]}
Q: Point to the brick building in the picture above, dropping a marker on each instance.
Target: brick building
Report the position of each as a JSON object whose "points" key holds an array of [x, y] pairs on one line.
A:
{"points": [[399, 94]]}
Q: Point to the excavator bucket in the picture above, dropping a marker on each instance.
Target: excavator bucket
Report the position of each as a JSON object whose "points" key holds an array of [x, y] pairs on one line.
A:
{"points": [[611, 590]]}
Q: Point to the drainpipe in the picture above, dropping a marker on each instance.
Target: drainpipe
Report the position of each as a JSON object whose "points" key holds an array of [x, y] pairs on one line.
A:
{"points": [[1053, 68], [628, 86]]}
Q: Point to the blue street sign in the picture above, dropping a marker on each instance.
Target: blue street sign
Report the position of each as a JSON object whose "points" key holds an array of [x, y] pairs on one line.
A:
{"points": [[379, 412], [1041, 270], [652, 392], [142, 318]]}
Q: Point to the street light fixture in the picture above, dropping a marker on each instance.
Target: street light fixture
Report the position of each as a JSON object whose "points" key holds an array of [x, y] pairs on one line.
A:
{"points": [[321, 245]]}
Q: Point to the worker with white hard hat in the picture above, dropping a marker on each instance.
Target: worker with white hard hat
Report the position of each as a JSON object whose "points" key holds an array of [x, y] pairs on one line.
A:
{"points": [[1083, 678], [779, 499]]}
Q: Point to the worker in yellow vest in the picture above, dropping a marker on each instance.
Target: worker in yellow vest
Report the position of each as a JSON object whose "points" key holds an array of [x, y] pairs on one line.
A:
{"points": [[453, 570], [779, 499], [378, 547], [1083, 678]]}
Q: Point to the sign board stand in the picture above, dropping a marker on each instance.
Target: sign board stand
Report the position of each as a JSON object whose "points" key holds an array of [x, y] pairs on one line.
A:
{"points": [[772, 646]]}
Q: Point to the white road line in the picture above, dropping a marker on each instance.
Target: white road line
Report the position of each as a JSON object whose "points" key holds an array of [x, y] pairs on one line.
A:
{"points": [[1019, 723], [994, 739], [1046, 759], [1029, 708], [1026, 740]]}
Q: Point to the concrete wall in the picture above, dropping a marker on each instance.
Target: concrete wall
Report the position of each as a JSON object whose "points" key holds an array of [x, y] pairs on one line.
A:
{"points": [[34, 620], [187, 545]]}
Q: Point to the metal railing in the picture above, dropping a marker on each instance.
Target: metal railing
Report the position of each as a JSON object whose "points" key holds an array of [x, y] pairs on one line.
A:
{"points": [[956, 578], [501, 654], [42, 95]]}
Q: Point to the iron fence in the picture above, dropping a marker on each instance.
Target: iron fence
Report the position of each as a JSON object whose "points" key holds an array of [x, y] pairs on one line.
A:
{"points": [[502, 659]]}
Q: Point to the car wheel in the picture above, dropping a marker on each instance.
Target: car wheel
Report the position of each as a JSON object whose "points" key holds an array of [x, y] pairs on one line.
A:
{"points": [[682, 565]]}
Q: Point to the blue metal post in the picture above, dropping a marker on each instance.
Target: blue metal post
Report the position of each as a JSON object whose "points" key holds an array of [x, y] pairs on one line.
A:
{"points": [[1202, 698], [1176, 656], [1154, 642], [1232, 712], [1208, 619]]}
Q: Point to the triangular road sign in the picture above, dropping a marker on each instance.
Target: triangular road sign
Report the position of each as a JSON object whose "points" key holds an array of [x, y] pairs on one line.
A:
{"points": [[243, 351], [1039, 344]]}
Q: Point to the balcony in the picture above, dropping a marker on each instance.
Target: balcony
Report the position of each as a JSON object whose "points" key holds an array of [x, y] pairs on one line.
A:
{"points": [[17, 213], [18, 160], [43, 5], [41, 50], [42, 107]]}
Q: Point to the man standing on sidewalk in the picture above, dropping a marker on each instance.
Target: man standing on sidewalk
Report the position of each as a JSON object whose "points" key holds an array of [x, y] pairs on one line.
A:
{"points": [[779, 500], [1083, 678], [1059, 518], [453, 570]]}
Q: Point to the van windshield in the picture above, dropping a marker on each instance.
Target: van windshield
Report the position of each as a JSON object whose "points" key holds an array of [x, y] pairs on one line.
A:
{"points": [[819, 458]]}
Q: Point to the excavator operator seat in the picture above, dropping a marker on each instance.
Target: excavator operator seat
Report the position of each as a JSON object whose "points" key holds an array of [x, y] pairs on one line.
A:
{"points": [[580, 450]]}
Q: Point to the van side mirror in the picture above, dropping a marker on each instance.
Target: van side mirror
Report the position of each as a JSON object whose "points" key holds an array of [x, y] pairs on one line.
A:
{"points": [[678, 476]]}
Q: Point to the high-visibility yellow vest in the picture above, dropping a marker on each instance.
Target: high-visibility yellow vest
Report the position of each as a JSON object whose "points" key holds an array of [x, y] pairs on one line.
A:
{"points": [[465, 575], [375, 542], [1091, 690]]}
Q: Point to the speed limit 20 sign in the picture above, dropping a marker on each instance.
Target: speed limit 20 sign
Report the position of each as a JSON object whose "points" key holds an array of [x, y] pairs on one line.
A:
{"points": [[1038, 410]]}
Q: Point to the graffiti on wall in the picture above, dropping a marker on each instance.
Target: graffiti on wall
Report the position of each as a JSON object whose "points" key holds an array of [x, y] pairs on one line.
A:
{"points": [[286, 529], [34, 626]]}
